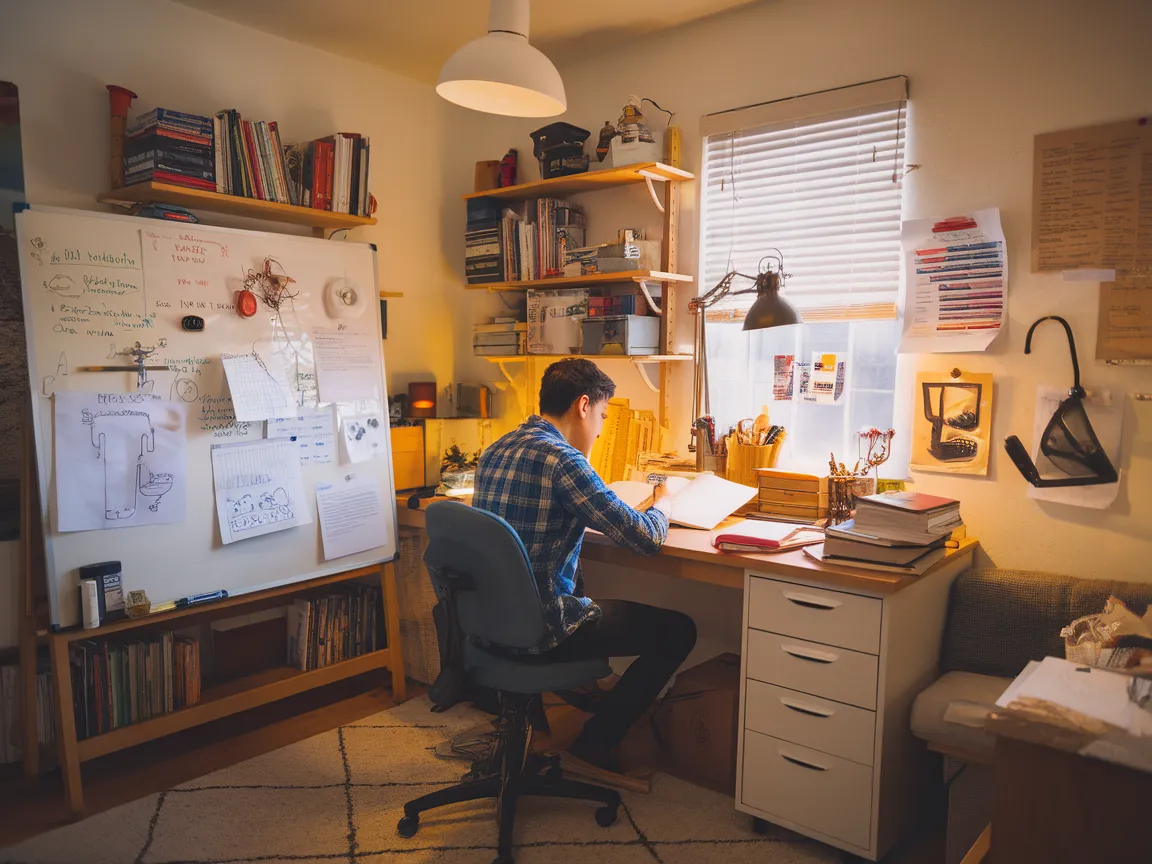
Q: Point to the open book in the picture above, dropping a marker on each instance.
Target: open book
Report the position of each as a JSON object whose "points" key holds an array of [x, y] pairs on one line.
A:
{"points": [[702, 502]]}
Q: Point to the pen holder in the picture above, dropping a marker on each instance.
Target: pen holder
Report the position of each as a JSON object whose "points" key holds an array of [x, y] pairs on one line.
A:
{"points": [[744, 459]]}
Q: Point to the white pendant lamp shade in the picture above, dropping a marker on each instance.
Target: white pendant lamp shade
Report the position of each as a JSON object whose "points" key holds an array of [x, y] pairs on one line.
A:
{"points": [[500, 73]]}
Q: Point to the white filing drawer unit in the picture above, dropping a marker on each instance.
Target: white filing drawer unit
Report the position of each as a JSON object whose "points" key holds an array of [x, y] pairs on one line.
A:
{"points": [[829, 675]]}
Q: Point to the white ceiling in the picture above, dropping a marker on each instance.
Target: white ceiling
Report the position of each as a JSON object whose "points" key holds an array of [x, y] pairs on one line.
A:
{"points": [[415, 37]]}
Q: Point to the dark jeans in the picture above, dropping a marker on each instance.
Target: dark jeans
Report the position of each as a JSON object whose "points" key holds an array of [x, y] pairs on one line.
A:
{"points": [[660, 639]]}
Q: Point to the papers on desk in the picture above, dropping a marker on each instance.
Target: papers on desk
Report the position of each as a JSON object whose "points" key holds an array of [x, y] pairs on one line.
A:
{"points": [[1088, 690], [702, 502], [352, 517]]}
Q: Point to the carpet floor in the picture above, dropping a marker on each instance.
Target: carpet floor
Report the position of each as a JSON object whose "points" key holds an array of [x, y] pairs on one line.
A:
{"points": [[337, 797]]}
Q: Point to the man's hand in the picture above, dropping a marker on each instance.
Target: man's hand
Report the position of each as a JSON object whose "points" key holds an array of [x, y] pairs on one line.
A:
{"points": [[662, 499]]}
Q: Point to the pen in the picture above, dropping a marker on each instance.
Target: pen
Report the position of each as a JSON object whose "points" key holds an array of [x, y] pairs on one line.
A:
{"points": [[197, 599]]}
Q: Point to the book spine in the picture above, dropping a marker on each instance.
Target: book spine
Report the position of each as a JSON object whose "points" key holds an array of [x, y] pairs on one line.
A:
{"points": [[252, 160], [329, 169], [279, 163], [218, 155]]}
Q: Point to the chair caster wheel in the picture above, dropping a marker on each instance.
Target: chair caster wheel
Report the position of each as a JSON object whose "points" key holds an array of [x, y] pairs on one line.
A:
{"points": [[605, 815], [759, 826], [408, 826]]}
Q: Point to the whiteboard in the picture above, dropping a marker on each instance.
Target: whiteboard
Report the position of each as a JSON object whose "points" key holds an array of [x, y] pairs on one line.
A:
{"points": [[93, 285]]}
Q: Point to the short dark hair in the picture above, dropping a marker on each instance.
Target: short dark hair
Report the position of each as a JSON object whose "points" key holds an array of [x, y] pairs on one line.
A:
{"points": [[567, 380]]}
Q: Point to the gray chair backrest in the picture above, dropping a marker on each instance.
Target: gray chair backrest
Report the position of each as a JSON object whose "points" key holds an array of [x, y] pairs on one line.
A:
{"points": [[503, 604]]}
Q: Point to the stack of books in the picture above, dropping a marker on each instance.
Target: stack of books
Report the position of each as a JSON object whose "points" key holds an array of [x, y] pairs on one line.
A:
{"points": [[504, 337], [483, 261], [336, 627], [250, 159], [170, 147], [114, 685], [904, 532]]}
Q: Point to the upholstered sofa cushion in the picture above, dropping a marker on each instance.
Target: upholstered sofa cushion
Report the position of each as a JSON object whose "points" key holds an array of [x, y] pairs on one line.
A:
{"points": [[951, 712], [998, 620]]}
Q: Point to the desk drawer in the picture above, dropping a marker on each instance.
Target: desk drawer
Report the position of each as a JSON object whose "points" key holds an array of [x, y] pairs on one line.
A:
{"points": [[834, 673], [831, 617], [831, 727], [821, 792]]}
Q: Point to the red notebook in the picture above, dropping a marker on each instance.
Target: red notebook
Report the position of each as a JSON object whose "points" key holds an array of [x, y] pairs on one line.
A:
{"points": [[762, 536]]}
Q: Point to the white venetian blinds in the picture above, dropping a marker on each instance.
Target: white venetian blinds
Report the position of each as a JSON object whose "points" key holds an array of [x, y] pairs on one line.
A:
{"points": [[817, 177]]}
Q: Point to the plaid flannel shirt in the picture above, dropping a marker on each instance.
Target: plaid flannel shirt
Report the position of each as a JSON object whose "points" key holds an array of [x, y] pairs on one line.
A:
{"points": [[546, 489]]}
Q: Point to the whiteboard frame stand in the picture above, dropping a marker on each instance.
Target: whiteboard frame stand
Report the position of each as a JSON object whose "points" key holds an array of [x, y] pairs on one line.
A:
{"points": [[226, 699]]}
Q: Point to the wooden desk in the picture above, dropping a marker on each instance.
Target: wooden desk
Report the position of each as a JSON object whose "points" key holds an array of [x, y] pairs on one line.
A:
{"points": [[1056, 806]]}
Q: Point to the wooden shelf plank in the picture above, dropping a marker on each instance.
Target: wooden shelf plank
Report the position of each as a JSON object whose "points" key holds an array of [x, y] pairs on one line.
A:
{"points": [[578, 281], [587, 182], [234, 205], [552, 358], [175, 615], [261, 688]]}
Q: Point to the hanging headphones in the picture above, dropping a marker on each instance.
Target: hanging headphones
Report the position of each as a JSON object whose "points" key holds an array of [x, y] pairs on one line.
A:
{"points": [[343, 298]]}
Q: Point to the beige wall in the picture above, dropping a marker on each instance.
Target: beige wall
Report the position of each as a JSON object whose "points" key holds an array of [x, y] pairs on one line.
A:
{"points": [[985, 78], [61, 53]]}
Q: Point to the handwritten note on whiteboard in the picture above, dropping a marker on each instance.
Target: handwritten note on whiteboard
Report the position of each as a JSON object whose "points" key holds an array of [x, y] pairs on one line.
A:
{"points": [[352, 517], [313, 430], [259, 488], [346, 365], [259, 387]]}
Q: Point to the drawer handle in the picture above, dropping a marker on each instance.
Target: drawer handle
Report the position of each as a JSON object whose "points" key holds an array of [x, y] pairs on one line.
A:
{"points": [[810, 655], [810, 602], [805, 708], [812, 766]]}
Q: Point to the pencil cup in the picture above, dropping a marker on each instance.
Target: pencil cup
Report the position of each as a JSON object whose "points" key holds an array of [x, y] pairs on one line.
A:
{"points": [[744, 459]]}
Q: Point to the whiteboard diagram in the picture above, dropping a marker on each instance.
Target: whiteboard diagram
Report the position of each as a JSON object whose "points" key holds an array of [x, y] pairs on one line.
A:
{"points": [[120, 458]]}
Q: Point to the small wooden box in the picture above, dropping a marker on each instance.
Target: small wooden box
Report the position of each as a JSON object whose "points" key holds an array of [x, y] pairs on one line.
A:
{"points": [[792, 496], [408, 456]]}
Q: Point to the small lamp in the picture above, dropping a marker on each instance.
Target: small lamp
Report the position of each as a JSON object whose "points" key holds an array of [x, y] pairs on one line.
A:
{"points": [[422, 399], [770, 309]]}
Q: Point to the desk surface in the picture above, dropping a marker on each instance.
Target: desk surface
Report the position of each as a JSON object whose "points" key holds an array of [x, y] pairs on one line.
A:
{"points": [[688, 553]]}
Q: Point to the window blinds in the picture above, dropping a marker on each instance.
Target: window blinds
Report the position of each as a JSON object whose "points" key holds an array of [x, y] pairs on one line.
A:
{"points": [[822, 188]]}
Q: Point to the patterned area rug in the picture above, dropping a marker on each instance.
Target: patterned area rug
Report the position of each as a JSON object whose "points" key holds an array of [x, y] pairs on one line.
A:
{"points": [[337, 797]]}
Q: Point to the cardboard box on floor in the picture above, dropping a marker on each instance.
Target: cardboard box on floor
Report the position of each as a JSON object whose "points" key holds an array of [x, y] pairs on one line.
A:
{"points": [[697, 722]]}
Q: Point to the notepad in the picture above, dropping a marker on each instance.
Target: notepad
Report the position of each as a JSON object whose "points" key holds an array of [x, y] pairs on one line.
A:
{"points": [[703, 502]]}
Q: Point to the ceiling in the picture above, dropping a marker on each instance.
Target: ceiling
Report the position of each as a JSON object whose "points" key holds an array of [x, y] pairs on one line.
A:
{"points": [[415, 37]]}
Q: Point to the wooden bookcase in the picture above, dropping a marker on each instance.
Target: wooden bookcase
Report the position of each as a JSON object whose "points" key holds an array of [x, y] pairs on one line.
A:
{"points": [[671, 176]]}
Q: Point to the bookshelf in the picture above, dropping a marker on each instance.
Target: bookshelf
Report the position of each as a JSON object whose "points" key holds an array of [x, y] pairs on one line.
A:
{"points": [[580, 281], [232, 205], [589, 181], [670, 176]]}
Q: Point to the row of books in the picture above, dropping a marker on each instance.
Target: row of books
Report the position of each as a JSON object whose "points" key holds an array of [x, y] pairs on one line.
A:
{"points": [[526, 241], [903, 532], [329, 629], [117, 684], [11, 712], [504, 337], [227, 154]]}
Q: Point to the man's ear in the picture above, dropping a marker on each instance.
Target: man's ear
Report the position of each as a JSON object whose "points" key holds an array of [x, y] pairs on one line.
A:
{"points": [[583, 407]]}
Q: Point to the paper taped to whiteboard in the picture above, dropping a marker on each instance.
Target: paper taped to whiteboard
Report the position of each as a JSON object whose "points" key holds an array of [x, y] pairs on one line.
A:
{"points": [[259, 489]]}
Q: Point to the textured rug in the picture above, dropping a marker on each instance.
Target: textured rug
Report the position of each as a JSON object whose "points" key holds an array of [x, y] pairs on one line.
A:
{"points": [[337, 797]]}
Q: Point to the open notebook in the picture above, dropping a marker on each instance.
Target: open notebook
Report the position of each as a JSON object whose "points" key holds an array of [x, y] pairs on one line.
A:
{"points": [[702, 502]]}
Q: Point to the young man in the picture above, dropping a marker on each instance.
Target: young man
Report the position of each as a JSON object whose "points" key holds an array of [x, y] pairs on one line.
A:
{"points": [[538, 478]]}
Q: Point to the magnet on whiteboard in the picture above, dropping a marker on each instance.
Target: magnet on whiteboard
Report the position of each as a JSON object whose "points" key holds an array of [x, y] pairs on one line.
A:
{"points": [[246, 305], [343, 298]]}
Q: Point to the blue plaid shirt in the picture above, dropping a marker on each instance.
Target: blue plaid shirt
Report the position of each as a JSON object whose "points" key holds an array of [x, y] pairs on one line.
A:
{"points": [[546, 489]]}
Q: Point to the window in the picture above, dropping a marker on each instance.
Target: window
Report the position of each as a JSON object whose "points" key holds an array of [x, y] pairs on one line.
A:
{"points": [[817, 177]]}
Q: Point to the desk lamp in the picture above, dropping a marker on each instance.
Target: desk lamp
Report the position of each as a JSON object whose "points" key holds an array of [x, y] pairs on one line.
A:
{"points": [[422, 399], [768, 310]]}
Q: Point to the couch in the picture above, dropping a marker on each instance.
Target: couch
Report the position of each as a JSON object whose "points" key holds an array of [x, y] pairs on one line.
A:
{"points": [[998, 620]]}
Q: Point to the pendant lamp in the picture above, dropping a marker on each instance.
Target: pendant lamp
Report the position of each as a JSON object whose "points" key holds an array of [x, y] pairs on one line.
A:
{"points": [[500, 73]]}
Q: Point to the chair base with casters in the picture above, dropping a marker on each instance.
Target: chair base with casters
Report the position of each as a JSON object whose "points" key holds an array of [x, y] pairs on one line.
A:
{"points": [[511, 773]]}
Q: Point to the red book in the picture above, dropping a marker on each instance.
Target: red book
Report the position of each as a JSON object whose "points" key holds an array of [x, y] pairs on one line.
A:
{"points": [[253, 159], [328, 176]]}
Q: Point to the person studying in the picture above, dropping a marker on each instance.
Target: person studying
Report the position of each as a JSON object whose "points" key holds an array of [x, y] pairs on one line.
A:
{"points": [[538, 479]]}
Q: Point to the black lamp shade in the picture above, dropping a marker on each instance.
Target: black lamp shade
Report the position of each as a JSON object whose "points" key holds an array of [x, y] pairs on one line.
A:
{"points": [[770, 310]]}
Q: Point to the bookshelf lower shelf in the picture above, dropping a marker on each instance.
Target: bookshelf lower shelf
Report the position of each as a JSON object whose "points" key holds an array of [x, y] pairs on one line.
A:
{"points": [[269, 685]]}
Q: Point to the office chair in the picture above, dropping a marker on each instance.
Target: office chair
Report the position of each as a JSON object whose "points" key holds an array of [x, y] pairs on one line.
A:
{"points": [[488, 604]]}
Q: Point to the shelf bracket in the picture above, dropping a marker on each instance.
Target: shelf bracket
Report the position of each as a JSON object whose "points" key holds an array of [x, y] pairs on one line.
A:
{"points": [[643, 283], [648, 178], [504, 372], [643, 370]]}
